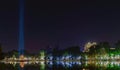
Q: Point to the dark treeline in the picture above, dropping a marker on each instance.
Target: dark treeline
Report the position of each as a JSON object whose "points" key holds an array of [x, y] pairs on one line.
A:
{"points": [[101, 48]]}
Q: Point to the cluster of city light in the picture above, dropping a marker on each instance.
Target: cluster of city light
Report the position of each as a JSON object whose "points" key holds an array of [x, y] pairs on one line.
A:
{"points": [[88, 45], [65, 58], [67, 63], [103, 63], [24, 59], [49, 63], [42, 57], [68, 58], [111, 57], [22, 64], [102, 58]]}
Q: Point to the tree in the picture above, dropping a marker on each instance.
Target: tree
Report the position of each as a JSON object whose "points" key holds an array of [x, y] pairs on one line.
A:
{"points": [[105, 45], [117, 45]]}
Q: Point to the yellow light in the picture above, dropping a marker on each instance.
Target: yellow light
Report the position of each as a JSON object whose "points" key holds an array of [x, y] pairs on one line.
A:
{"points": [[21, 57]]}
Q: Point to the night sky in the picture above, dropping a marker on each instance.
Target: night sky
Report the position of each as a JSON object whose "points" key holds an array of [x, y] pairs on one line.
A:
{"points": [[63, 23]]}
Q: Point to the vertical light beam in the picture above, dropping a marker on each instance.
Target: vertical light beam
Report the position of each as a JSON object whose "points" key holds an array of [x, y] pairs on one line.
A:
{"points": [[21, 27]]}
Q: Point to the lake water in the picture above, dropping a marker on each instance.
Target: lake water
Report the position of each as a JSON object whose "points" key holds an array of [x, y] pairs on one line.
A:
{"points": [[61, 65]]}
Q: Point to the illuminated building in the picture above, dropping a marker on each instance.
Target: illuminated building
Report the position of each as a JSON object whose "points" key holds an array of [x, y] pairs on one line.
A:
{"points": [[88, 45]]}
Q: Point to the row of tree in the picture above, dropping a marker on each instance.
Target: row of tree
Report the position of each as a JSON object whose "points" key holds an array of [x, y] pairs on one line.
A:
{"points": [[104, 46], [100, 48]]}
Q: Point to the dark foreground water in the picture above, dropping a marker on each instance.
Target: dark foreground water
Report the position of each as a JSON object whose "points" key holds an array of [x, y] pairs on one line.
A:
{"points": [[86, 65]]}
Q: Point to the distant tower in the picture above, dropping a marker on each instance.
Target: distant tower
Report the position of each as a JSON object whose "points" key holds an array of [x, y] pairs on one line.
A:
{"points": [[21, 27]]}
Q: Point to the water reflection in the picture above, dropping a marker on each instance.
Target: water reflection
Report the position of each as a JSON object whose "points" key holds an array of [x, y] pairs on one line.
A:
{"points": [[61, 65]]}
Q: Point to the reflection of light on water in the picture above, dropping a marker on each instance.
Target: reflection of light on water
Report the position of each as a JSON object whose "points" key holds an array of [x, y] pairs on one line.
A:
{"points": [[78, 63], [22, 64], [49, 63], [42, 65], [85, 69], [103, 63], [68, 63]]}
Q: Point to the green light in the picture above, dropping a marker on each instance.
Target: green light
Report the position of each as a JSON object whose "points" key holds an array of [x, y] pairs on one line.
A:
{"points": [[42, 55], [42, 65]]}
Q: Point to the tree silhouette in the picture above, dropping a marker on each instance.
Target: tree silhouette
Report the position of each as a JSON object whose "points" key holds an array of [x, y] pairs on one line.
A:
{"points": [[117, 45], [105, 45]]}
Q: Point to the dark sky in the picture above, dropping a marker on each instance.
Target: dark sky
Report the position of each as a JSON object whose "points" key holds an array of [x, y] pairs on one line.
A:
{"points": [[61, 22]]}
